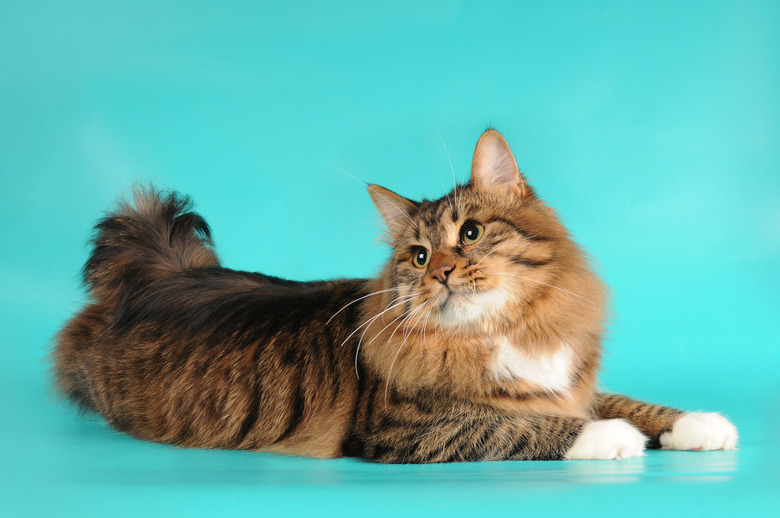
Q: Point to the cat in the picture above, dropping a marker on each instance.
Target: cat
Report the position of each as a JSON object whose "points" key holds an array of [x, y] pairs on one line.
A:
{"points": [[479, 339]]}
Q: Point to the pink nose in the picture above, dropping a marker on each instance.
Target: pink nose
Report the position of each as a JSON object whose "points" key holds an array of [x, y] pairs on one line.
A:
{"points": [[442, 272]]}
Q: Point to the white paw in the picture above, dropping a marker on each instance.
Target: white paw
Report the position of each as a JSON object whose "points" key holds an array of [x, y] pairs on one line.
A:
{"points": [[700, 431], [611, 439]]}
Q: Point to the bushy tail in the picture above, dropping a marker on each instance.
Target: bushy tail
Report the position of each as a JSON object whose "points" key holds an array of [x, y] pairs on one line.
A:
{"points": [[136, 245]]}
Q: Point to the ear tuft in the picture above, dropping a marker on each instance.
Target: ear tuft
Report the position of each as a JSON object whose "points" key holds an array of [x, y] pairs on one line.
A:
{"points": [[395, 210], [494, 167]]}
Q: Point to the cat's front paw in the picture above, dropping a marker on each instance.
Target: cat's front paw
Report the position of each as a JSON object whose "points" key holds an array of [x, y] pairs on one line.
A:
{"points": [[700, 431], [610, 439]]}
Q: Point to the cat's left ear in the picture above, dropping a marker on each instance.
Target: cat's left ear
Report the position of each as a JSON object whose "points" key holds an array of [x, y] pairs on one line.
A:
{"points": [[396, 210], [494, 168]]}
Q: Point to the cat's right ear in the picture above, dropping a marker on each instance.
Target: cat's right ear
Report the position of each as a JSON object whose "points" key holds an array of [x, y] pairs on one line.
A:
{"points": [[493, 167], [396, 210]]}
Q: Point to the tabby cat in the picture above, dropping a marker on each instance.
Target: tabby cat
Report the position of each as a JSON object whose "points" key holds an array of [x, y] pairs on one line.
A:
{"points": [[479, 340]]}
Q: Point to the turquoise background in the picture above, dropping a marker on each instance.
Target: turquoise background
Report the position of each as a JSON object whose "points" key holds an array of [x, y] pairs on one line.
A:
{"points": [[653, 128]]}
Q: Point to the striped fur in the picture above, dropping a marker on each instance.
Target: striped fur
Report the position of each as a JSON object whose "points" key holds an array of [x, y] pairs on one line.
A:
{"points": [[175, 348], [651, 420]]}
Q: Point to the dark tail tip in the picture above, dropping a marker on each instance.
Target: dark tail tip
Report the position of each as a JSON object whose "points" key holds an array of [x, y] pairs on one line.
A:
{"points": [[137, 243]]}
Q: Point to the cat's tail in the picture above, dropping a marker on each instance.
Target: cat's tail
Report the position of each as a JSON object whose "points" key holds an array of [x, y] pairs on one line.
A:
{"points": [[143, 242]]}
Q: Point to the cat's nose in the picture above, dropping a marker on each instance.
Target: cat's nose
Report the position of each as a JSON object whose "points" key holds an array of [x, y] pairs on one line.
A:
{"points": [[442, 272]]}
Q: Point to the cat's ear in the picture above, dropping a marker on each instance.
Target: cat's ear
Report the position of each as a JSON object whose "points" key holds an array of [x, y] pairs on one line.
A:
{"points": [[395, 209], [493, 166]]}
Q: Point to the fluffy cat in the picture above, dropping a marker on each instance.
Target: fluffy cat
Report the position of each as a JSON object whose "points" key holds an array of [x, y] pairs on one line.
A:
{"points": [[479, 340]]}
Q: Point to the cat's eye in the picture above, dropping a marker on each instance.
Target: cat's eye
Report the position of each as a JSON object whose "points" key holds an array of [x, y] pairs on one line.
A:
{"points": [[420, 257], [471, 232]]}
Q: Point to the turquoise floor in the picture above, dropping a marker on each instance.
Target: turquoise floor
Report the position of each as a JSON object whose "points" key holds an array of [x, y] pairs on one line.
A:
{"points": [[58, 463], [653, 128]]}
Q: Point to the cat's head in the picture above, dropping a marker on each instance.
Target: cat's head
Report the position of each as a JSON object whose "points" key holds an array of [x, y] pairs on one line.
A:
{"points": [[487, 257]]}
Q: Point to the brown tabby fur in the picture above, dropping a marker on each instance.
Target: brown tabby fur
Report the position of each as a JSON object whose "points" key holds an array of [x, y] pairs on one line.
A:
{"points": [[175, 348]]}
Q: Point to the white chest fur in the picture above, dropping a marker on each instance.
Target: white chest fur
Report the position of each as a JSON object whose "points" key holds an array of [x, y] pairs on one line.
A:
{"points": [[552, 372]]}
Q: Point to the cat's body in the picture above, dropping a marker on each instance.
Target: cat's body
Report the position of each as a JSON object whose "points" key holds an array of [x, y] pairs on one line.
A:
{"points": [[480, 339]]}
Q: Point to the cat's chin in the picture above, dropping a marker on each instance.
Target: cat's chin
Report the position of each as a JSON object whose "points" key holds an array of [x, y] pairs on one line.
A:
{"points": [[461, 307]]}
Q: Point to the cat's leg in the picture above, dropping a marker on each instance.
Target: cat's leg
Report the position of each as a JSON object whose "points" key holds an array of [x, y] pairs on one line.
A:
{"points": [[533, 437], [669, 428]]}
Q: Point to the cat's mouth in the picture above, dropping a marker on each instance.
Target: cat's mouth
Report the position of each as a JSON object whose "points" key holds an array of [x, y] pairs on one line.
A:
{"points": [[465, 306], [456, 296]]}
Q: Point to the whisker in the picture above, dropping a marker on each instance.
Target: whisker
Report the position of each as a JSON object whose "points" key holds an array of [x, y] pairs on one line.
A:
{"points": [[446, 192], [400, 210], [407, 328], [425, 340], [396, 302], [356, 179], [542, 283], [387, 238], [420, 317], [485, 257], [361, 298], [392, 364], [360, 342], [406, 314], [454, 181], [351, 227], [402, 300], [402, 315], [373, 318]]}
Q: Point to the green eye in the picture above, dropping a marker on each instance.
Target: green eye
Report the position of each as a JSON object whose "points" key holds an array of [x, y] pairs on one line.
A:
{"points": [[420, 257], [471, 232]]}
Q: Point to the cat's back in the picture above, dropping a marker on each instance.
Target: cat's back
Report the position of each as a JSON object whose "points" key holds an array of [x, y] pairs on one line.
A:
{"points": [[213, 300], [212, 357]]}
